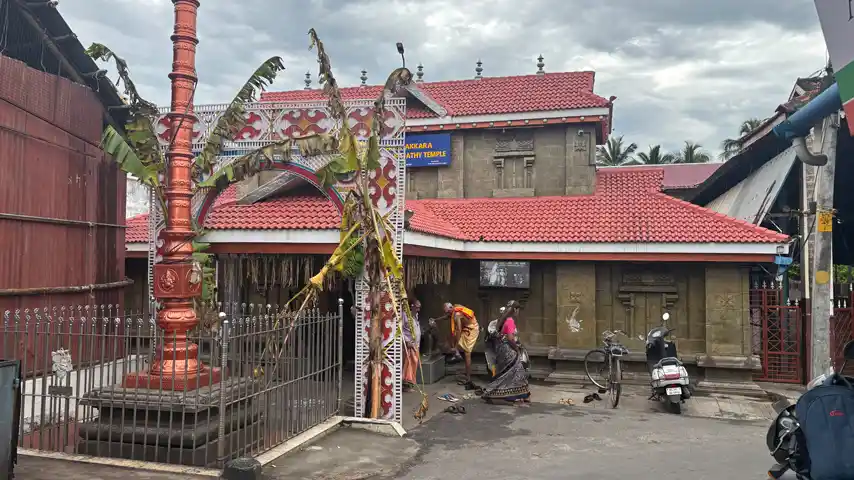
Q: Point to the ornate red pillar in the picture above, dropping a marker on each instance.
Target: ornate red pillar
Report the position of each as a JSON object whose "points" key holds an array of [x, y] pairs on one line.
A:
{"points": [[176, 365]]}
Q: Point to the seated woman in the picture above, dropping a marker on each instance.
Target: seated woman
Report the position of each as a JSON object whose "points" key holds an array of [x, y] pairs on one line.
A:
{"points": [[510, 378]]}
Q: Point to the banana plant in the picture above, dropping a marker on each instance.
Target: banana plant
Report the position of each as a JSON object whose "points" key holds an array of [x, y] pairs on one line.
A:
{"points": [[366, 239], [137, 150]]}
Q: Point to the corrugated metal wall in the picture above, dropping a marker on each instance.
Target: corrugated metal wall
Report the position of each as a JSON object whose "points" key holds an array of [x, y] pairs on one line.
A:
{"points": [[52, 168]]}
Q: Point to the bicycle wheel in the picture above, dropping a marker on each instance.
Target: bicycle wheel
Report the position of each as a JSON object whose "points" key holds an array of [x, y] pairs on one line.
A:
{"points": [[596, 368], [615, 388]]}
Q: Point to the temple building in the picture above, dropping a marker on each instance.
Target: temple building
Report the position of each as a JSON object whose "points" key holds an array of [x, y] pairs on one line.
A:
{"points": [[504, 201]]}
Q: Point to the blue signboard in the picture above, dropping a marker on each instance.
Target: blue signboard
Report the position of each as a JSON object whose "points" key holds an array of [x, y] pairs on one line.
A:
{"points": [[428, 150]]}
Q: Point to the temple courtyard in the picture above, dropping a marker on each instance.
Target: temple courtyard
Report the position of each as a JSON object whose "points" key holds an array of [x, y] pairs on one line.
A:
{"points": [[558, 436]]}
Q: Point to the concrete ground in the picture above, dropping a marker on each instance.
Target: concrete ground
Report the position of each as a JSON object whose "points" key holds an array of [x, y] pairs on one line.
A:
{"points": [[36, 468], [556, 437], [542, 441]]}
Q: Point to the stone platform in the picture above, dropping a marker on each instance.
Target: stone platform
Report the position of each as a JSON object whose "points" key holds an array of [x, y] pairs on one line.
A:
{"points": [[173, 427], [433, 368]]}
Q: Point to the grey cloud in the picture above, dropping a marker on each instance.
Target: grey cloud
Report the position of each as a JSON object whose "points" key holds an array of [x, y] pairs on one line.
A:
{"points": [[626, 41]]}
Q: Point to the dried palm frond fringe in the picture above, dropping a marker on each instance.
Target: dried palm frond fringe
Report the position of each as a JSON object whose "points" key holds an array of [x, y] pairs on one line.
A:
{"points": [[264, 272], [426, 271]]}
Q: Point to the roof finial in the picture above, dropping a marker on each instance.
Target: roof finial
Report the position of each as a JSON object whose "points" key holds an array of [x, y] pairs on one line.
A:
{"points": [[479, 70], [364, 77], [420, 73], [308, 80], [540, 65]]}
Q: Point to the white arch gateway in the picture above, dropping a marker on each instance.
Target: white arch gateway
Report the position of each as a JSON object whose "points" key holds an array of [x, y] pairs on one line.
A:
{"points": [[267, 122]]}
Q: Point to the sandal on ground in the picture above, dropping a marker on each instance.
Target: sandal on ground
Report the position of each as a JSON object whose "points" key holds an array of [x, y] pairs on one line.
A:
{"points": [[448, 398], [470, 386], [456, 409], [592, 396]]}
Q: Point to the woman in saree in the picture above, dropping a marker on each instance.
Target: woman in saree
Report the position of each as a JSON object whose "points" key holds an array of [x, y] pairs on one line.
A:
{"points": [[510, 374], [411, 345]]}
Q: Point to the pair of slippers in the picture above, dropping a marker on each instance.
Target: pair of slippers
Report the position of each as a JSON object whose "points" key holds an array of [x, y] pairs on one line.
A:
{"points": [[593, 396], [456, 410]]}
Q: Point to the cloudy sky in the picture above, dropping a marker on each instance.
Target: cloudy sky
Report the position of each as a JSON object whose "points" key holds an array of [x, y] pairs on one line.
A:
{"points": [[681, 69]]}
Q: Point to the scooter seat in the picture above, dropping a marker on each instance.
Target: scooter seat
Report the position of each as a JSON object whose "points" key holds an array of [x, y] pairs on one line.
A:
{"points": [[668, 361]]}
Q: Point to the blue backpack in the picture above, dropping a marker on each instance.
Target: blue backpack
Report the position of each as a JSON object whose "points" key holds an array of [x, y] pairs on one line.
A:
{"points": [[826, 437]]}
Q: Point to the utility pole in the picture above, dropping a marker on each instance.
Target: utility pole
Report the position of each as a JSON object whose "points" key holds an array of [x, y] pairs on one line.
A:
{"points": [[822, 294], [806, 250]]}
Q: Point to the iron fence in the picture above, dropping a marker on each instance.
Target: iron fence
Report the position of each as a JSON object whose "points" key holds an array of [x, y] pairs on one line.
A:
{"points": [[841, 327], [279, 375], [777, 328]]}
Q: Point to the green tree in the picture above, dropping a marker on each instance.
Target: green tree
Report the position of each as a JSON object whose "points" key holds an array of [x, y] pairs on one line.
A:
{"points": [[614, 153], [731, 147], [692, 153], [655, 157]]}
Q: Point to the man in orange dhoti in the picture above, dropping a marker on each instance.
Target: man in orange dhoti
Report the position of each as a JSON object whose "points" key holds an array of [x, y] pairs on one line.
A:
{"points": [[465, 331], [411, 345]]}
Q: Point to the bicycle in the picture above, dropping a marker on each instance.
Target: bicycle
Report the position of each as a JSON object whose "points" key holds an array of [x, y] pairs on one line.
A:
{"points": [[612, 351]]}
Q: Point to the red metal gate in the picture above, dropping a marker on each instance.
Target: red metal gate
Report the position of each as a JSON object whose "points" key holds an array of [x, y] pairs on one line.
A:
{"points": [[778, 334], [841, 324]]}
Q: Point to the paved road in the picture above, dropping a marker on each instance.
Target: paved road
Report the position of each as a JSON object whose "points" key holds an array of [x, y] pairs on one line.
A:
{"points": [[558, 442]]}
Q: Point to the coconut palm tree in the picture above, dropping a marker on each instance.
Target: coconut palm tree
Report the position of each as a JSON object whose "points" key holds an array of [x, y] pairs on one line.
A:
{"points": [[655, 157], [692, 153], [730, 147], [614, 153]]}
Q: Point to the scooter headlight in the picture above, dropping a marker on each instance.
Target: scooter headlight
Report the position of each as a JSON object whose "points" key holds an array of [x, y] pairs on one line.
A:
{"points": [[656, 334]]}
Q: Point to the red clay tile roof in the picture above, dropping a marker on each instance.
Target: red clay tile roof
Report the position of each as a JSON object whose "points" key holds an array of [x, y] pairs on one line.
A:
{"points": [[627, 207], [137, 229], [677, 175], [489, 95], [285, 213]]}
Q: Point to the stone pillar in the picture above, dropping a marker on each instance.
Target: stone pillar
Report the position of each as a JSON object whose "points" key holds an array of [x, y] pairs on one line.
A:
{"points": [[451, 177], [729, 363], [576, 319], [580, 160]]}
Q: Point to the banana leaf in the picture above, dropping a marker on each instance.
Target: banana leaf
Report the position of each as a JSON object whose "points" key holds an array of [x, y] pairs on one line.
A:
{"points": [[233, 120], [126, 157]]}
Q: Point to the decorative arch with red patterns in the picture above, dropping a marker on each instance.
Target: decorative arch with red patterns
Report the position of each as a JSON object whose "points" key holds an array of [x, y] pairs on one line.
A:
{"points": [[270, 122], [295, 169]]}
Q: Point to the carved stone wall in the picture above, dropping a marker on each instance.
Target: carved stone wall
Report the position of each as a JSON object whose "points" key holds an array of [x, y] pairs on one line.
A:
{"points": [[576, 305], [548, 161], [728, 330], [633, 297]]}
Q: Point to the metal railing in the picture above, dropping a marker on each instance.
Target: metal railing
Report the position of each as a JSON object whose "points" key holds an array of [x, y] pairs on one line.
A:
{"points": [[278, 376]]}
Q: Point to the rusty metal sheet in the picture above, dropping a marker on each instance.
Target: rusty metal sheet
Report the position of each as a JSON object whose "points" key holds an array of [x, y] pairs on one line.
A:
{"points": [[54, 169], [754, 196]]}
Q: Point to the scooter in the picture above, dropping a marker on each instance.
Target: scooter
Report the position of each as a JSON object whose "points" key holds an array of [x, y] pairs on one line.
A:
{"points": [[668, 377]]}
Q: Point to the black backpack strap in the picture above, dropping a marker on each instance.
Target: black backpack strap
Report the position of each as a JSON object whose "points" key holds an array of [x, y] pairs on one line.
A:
{"points": [[842, 380]]}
